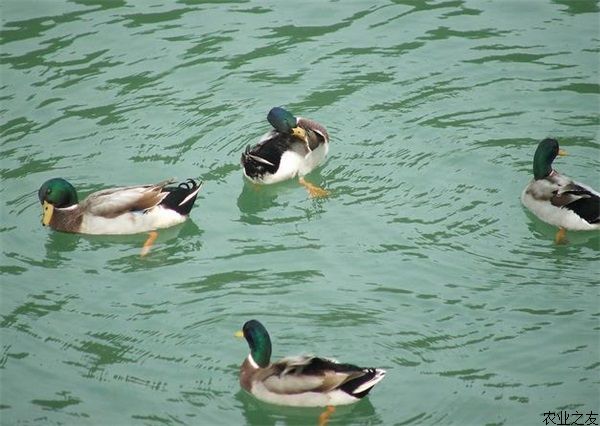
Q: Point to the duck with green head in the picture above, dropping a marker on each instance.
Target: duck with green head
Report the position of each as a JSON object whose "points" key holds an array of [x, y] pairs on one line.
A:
{"points": [[303, 381], [557, 199], [294, 147], [124, 210]]}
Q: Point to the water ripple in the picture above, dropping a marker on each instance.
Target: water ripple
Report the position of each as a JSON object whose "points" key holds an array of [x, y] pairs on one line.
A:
{"points": [[422, 260]]}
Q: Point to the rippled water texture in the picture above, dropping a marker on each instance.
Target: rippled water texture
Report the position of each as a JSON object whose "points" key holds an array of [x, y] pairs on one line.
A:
{"points": [[422, 261]]}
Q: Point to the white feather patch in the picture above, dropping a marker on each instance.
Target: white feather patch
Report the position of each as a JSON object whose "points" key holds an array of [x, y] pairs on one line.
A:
{"points": [[252, 362], [132, 222], [305, 399]]}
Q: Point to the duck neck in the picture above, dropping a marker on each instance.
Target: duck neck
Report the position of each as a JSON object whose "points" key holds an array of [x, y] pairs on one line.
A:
{"points": [[247, 370]]}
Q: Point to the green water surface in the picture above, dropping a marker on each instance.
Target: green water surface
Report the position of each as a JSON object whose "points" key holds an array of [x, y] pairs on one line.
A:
{"points": [[422, 261]]}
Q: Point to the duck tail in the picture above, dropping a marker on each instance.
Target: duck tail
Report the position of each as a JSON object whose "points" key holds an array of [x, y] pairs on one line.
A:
{"points": [[181, 198], [362, 385]]}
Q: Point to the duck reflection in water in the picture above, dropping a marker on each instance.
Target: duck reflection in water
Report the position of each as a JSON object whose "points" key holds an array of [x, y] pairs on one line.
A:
{"points": [[60, 243]]}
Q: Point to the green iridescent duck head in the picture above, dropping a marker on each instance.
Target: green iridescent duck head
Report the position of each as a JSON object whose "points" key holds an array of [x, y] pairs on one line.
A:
{"points": [[545, 154], [57, 193], [284, 122], [259, 342]]}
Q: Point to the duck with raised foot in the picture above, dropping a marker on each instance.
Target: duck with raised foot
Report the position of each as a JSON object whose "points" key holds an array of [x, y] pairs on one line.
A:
{"points": [[123, 210], [557, 199], [302, 381], [294, 147]]}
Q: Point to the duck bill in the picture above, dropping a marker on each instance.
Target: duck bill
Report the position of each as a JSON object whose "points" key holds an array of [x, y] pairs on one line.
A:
{"points": [[300, 133], [562, 152], [48, 211], [239, 334]]}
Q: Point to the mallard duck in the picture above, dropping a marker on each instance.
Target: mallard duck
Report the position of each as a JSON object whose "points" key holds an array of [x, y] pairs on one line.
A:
{"points": [[558, 200], [294, 147], [303, 381], [125, 210]]}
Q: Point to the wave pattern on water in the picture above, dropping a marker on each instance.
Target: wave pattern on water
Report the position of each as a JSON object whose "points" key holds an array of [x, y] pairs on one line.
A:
{"points": [[422, 260]]}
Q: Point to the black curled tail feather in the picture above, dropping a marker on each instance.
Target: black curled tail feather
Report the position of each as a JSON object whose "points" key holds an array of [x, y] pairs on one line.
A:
{"points": [[244, 158], [181, 198], [362, 385]]}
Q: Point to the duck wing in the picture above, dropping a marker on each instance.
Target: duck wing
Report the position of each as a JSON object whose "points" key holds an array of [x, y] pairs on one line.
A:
{"points": [[579, 198], [113, 202], [271, 147], [308, 374]]}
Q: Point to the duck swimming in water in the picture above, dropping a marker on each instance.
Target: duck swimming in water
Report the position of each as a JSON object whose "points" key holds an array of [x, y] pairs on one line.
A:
{"points": [[557, 199], [124, 210], [301, 381], [294, 147]]}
